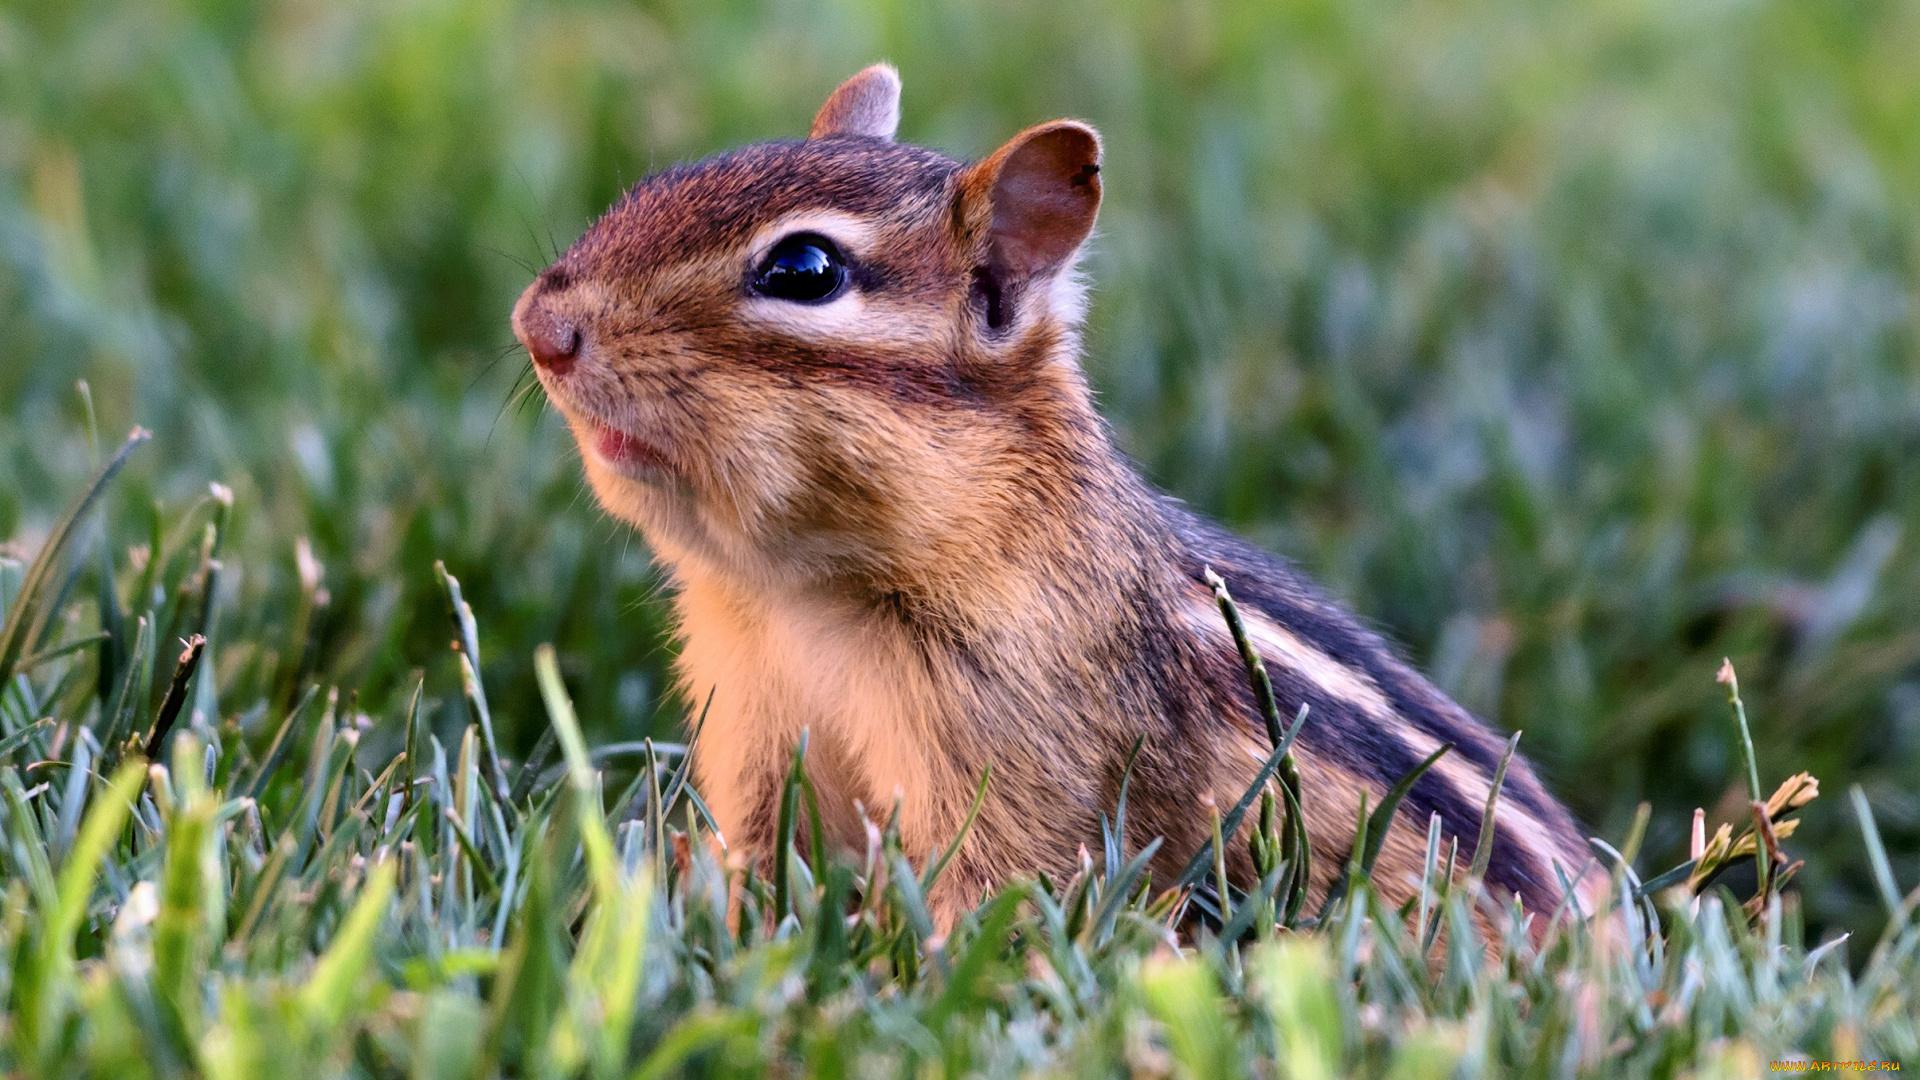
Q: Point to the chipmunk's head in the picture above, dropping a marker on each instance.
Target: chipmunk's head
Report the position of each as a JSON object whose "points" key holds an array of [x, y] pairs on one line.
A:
{"points": [[824, 355]]}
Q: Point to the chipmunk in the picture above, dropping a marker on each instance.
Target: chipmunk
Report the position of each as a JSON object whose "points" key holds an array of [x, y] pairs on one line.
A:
{"points": [[835, 384]]}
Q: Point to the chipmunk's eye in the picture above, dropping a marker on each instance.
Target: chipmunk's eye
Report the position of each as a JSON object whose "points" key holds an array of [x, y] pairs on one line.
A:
{"points": [[803, 267]]}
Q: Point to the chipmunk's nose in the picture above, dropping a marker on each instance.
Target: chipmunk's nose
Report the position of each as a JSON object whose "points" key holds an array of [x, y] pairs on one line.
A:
{"points": [[551, 338]]}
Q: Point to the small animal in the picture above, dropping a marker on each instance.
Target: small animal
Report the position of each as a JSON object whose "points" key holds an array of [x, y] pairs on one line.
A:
{"points": [[835, 383]]}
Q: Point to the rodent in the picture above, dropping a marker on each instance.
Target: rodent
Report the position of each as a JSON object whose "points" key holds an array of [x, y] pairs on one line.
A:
{"points": [[835, 383]]}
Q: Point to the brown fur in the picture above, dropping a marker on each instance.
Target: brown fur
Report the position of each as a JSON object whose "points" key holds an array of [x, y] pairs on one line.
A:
{"points": [[895, 520]]}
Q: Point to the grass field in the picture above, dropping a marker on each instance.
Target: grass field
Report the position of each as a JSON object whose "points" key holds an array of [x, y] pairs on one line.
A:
{"points": [[1577, 345], [310, 906]]}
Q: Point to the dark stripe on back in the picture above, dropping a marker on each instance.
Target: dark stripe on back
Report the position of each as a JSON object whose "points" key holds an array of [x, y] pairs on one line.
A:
{"points": [[1267, 584], [1343, 735]]}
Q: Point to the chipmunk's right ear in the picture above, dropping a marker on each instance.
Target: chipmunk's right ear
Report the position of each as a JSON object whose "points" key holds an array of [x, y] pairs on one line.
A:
{"points": [[867, 104], [1036, 197]]}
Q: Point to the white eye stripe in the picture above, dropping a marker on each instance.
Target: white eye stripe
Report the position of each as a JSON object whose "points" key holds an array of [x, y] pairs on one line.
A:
{"points": [[850, 318], [853, 235]]}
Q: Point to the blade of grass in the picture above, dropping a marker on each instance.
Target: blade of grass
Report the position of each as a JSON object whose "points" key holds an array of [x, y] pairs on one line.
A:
{"points": [[102, 826], [1731, 681], [55, 652], [914, 903], [817, 854], [1483, 847], [169, 711], [411, 748], [963, 982], [1666, 880], [118, 714], [1427, 870], [1249, 656], [474, 859], [41, 1006], [179, 934], [277, 749], [1115, 893], [264, 886], [537, 759], [580, 776], [332, 990], [677, 782], [784, 832], [1876, 852], [1353, 876], [979, 799], [1196, 867], [20, 738], [469, 641], [1294, 839], [1117, 841], [1222, 888], [27, 615], [1378, 823], [1251, 905]]}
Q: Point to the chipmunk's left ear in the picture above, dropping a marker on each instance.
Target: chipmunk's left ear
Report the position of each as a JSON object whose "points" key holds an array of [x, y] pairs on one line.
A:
{"points": [[1036, 197], [867, 104]]}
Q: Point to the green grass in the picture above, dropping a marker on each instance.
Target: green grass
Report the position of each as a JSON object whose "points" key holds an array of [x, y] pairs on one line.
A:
{"points": [[307, 903], [1574, 343]]}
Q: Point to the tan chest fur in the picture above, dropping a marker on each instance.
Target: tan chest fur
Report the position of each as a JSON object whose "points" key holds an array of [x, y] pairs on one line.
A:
{"points": [[777, 665]]}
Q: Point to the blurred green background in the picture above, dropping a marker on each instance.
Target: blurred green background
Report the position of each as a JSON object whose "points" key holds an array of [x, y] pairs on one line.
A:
{"points": [[1576, 344]]}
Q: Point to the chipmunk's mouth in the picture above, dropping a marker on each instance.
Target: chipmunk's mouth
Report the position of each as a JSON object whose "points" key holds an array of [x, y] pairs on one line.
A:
{"points": [[623, 452]]}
